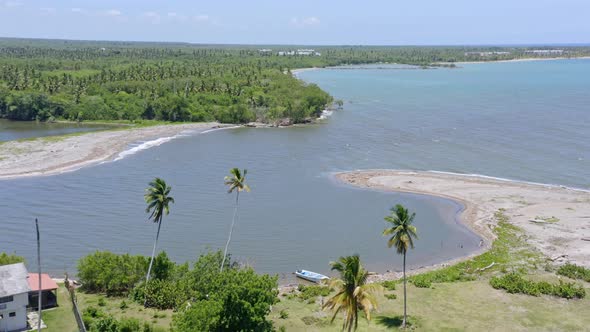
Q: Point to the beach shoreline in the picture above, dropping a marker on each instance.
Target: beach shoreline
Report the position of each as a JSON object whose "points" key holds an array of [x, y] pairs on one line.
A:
{"points": [[59, 154], [482, 197]]}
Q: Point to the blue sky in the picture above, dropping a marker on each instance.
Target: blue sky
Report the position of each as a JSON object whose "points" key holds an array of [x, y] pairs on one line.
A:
{"points": [[368, 22]]}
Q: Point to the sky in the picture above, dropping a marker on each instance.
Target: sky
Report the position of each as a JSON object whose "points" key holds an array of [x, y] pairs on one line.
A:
{"points": [[303, 22]]}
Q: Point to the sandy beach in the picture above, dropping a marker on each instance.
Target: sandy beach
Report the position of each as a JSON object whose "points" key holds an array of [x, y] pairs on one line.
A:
{"points": [[566, 235], [49, 156]]}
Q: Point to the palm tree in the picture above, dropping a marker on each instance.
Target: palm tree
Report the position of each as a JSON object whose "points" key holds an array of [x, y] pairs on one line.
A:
{"points": [[353, 292], [402, 238], [236, 181], [158, 202]]}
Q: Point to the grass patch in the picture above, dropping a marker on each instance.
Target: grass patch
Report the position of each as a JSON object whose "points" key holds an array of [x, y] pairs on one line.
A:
{"points": [[574, 271], [312, 291], [61, 319], [509, 251], [514, 283], [389, 284]]}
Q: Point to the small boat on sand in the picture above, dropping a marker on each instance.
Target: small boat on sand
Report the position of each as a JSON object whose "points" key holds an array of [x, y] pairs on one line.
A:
{"points": [[311, 276]]}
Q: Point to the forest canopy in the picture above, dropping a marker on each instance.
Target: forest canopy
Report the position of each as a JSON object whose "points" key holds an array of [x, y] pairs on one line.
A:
{"points": [[48, 80]]}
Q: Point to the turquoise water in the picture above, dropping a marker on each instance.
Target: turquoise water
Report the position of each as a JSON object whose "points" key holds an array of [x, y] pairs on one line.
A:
{"points": [[526, 121]]}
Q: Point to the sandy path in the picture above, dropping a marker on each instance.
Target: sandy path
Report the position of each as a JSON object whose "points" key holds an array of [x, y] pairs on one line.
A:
{"points": [[482, 197], [48, 156]]}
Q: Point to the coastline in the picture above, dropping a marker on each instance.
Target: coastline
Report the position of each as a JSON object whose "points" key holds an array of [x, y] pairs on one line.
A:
{"points": [[482, 197], [58, 154], [515, 60]]}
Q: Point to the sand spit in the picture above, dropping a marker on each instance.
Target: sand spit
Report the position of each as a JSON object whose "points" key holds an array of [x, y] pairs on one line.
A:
{"points": [[51, 155], [556, 218]]}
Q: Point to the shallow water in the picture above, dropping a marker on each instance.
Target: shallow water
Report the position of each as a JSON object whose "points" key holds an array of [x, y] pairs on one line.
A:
{"points": [[525, 121], [13, 130]]}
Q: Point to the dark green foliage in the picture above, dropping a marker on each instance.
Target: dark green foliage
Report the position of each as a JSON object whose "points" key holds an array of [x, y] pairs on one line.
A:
{"points": [[110, 273], [389, 284], [514, 283], [312, 291], [237, 300], [574, 272], [391, 296], [421, 281], [6, 259]]}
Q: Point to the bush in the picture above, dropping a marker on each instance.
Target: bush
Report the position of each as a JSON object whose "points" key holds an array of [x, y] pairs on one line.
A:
{"points": [[6, 259], [389, 284], [574, 272], [514, 283], [283, 314], [391, 296], [110, 273], [101, 302], [421, 281], [311, 292], [123, 305]]}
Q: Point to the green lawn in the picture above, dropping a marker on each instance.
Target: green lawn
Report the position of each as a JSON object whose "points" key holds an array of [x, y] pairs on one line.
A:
{"points": [[61, 319], [461, 306]]}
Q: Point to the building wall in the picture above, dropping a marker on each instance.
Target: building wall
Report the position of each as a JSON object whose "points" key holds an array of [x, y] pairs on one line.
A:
{"points": [[19, 307]]}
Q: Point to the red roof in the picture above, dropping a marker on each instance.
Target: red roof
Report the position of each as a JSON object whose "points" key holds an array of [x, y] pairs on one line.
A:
{"points": [[46, 282]]}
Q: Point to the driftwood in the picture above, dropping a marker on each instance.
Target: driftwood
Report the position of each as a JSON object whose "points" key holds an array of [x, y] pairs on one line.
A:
{"points": [[485, 268], [539, 221], [585, 239], [557, 257]]}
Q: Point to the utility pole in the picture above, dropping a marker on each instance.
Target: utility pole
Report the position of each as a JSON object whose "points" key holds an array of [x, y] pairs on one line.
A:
{"points": [[39, 269]]}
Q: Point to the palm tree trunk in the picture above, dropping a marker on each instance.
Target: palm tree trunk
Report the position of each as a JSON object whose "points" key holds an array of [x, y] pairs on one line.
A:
{"points": [[231, 230], [147, 277], [405, 312]]}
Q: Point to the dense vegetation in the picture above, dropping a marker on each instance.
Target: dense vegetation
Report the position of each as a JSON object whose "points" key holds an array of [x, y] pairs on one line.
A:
{"points": [[77, 80], [6, 259], [575, 272], [515, 283], [205, 299]]}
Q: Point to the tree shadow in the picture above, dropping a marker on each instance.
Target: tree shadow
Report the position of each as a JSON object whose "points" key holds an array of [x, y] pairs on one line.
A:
{"points": [[396, 321], [390, 322]]}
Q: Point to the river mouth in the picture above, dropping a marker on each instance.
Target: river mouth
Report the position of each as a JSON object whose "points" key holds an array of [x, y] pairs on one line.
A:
{"points": [[296, 216], [15, 130]]}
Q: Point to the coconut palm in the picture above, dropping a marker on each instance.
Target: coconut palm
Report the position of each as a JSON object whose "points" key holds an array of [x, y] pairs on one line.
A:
{"points": [[402, 238], [236, 182], [352, 291], [158, 200]]}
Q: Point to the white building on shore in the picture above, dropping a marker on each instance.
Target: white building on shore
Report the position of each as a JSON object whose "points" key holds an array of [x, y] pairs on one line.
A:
{"points": [[14, 297]]}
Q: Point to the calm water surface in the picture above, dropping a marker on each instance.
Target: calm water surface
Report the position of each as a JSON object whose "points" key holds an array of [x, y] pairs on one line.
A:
{"points": [[13, 130], [526, 121]]}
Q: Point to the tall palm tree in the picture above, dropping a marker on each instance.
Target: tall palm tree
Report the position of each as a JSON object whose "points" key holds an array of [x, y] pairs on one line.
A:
{"points": [[353, 292], [236, 181], [158, 200], [402, 238]]}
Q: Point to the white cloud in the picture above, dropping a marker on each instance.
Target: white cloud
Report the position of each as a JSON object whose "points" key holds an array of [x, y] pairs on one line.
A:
{"points": [[176, 16], [304, 22], [152, 17], [201, 18], [78, 10]]}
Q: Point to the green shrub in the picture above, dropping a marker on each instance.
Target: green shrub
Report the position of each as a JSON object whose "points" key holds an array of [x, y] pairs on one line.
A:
{"points": [[514, 283], [283, 314], [311, 292], [123, 305], [102, 302], [6, 259], [389, 284], [391, 296], [574, 272], [421, 281]]}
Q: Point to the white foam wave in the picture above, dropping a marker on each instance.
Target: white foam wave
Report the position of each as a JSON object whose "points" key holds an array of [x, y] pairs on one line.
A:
{"points": [[144, 146], [325, 114]]}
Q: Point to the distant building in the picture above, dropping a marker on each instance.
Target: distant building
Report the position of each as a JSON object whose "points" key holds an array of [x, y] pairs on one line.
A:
{"points": [[265, 51], [486, 53], [544, 51], [14, 297], [308, 52]]}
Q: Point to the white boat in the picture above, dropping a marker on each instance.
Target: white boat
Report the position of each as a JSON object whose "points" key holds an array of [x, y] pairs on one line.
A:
{"points": [[311, 276]]}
